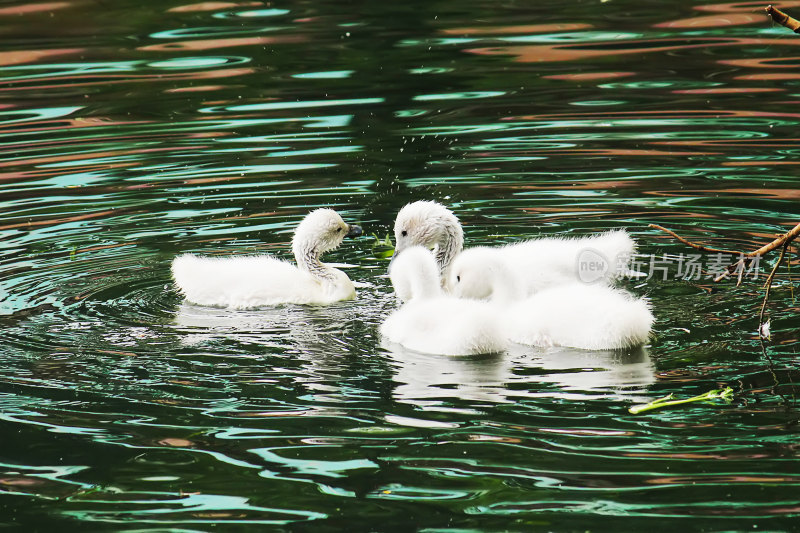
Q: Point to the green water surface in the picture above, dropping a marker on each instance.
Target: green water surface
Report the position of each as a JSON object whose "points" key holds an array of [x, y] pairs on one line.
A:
{"points": [[134, 131]]}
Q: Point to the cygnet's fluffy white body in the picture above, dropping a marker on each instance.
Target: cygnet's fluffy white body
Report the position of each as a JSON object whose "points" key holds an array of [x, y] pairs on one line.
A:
{"points": [[538, 264], [591, 317], [257, 281], [534, 264], [430, 321], [573, 314]]}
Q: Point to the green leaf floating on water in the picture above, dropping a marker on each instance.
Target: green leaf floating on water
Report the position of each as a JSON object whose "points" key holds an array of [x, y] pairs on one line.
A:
{"points": [[382, 249], [668, 401]]}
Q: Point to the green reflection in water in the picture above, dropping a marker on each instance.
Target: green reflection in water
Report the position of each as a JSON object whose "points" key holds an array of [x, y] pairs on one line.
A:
{"points": [[458, 96], [330, 74]]}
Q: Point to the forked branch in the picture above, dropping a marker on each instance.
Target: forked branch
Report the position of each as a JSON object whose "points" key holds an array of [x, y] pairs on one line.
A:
{"points": [[744, 258]]}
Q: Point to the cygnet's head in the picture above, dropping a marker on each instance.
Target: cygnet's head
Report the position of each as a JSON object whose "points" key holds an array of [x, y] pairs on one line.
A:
{"points": [[431, 225], [479, 274], [322, 230], [414, 274]]}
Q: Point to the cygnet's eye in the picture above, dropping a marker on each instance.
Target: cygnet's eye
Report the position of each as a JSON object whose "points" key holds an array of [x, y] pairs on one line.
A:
{"points": [[404, 233], [339, 229], [458, 278]]}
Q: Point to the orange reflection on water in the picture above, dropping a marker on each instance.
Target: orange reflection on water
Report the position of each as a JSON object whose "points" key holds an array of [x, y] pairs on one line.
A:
{"points": [[109, 79], [712, 21], [526, 29], [662, 114], [743, 7], [197, 89], [55, 221], [211, 6], [22, 57], [214, 44], [763, 62], [667, 455], [746, 143], [785, 194], [32, 8], [81, 156], [769, 76], [691, 480], [548, 53]]}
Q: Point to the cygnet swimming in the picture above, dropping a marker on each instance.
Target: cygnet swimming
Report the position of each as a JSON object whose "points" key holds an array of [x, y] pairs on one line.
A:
{"points": [[572, 314], [536, 264], [255, 281], [430, 321], [432, 225], [579, 315]]}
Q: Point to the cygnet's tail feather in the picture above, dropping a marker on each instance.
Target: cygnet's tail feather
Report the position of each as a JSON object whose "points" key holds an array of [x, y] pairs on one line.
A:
{"points": [[618, 247]]}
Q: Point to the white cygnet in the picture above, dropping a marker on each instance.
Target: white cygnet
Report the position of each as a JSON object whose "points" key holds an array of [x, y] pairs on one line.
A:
{"points": [[255, 281], [536, 264], [572, 314], [591, 317], [430, 321], [432, 225]]}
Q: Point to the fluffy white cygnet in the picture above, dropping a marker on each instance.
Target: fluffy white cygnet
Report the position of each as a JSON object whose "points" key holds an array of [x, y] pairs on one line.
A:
{"points": [[535, 264], [256, 281], [432, 225], [592, 317], [430, 321]]}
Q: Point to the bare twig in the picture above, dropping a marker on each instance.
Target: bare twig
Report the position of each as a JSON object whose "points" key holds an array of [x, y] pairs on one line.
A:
{"points": [[739, 265], [787, 237], [747, 258], [768, 285], [700, 247], [783, 19], [744, 258]]}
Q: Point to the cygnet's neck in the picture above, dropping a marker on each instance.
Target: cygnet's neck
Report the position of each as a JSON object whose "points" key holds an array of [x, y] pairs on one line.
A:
{"points": [[307, 255], [414, 275], [425, 284], [503, 282], [450, 245]]}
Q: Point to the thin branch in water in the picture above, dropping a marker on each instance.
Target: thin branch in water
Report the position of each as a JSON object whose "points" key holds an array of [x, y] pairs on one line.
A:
{"points": [[768, 285], [700, 247], [744, 258], [783, 19], [786, 238]]}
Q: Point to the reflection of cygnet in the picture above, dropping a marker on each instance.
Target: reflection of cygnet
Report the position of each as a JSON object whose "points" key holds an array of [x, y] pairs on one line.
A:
{"points": [[254, 281], [578, 315], [536, 263], [432, 322]]}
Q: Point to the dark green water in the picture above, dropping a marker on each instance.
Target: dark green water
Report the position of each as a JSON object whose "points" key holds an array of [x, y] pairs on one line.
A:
{"points": [[134, 131]]}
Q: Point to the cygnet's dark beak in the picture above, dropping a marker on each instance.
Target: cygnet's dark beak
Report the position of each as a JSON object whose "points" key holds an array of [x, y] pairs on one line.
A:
{"points": [[353, 231]]}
